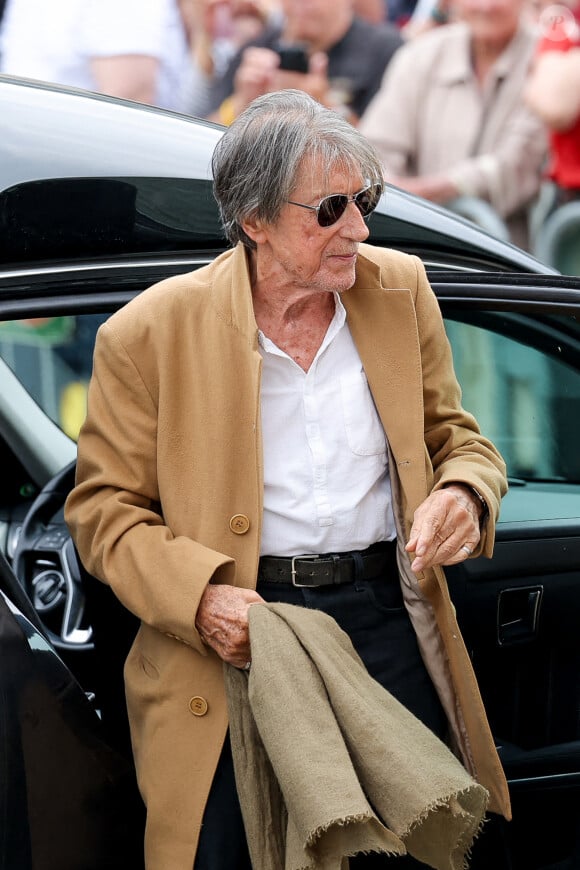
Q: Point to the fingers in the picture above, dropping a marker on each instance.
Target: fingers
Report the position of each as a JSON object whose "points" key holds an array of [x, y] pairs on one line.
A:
{"points": [[445, 529], [259, 73], [255, 74], [318, 65], [314, 82], [222, 621]]}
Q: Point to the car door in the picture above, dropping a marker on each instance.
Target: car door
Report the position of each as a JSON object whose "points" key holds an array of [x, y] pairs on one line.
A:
{"points": [[516, 349], [516, 344]]}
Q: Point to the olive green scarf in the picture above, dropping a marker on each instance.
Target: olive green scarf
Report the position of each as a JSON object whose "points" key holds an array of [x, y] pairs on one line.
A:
{"points": [[329, 764]]}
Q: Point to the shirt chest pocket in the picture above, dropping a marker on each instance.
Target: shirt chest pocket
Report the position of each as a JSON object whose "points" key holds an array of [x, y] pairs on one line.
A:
{"points": [[364, 431]]}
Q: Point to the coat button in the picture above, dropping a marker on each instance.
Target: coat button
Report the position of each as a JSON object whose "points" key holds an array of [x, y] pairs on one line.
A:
{"points": [[198, 706], [239, 524]]}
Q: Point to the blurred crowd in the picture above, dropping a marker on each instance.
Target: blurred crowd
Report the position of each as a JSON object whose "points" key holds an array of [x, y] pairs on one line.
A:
{"points": [[462, 98]]}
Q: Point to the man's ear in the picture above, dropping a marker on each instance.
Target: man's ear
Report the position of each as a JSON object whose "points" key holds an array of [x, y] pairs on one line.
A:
{"points": [[254, 228]]}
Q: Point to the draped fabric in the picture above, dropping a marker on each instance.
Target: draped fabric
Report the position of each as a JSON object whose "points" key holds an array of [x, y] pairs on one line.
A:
{"points": [[329, 764]]}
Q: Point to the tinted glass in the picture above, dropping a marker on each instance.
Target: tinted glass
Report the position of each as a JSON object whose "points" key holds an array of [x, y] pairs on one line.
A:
{"points": [[79, 218], [52, 357], [524, 390], [520, 378]]}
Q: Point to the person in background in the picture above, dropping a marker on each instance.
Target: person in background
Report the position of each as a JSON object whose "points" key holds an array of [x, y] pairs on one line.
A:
{"points": [[346, 57], [399, 12], [283, 424], [216, 30], [553, 93], [124, 48], [427, 15], [450, 120], [374, 11]]}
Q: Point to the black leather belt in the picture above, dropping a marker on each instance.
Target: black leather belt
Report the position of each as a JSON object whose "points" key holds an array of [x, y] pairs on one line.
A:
{"points": [[331, 568]]}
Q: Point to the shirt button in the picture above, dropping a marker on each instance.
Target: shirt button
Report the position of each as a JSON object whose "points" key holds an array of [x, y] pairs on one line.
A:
{"points": [[198, 706], [239, 524]]}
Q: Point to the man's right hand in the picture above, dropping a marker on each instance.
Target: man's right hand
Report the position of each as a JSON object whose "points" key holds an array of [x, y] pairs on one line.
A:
{"points": [[222, 621]]}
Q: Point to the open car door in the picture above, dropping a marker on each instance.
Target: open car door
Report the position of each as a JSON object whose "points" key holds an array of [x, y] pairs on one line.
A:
{"points": [[517, 355]]}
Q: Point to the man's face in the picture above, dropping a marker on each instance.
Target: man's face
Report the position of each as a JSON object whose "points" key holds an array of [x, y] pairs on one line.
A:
{"points": [[297, 254], [311, 21], [494, 21]]}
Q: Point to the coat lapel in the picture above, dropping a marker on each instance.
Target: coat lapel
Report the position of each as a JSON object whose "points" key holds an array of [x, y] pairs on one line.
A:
{"points": [[396, 387]]}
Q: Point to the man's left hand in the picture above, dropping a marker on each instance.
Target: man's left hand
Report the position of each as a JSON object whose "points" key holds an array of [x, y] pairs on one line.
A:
{"points": [[445, 528]]}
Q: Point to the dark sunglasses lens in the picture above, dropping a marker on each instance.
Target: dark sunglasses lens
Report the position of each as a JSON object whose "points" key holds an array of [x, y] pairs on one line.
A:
{"points": [[367, 200], [331, 209]]}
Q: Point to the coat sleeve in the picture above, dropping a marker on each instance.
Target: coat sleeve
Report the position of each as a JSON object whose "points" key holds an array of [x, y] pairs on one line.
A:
{"points": [[457, 450], [114, 513]]}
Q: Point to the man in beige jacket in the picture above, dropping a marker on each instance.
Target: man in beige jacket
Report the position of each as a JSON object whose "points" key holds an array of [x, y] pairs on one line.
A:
{"points": [[449, 119], [296, 397]]}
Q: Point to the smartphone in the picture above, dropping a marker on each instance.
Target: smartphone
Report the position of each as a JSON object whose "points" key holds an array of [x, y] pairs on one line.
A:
{"points": [[293, 57]]}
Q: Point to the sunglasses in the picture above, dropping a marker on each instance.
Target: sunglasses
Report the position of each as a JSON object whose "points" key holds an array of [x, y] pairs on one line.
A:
{"points": [[330, 209]]}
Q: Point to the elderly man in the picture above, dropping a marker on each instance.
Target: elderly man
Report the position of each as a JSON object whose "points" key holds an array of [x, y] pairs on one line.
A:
{"points": [[346, 59], [294, 398]]}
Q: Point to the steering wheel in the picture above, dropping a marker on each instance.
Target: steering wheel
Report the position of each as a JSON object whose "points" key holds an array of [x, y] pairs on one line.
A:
{"points": [[46, 564]]}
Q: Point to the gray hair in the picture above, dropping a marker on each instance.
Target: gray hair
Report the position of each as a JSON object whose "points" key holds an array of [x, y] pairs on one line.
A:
{"points": [[256, 162]]}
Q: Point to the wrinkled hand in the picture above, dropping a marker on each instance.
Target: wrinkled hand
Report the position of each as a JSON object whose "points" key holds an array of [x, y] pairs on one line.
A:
{"points": [[222, 621], [259, 73], [445, 523]]}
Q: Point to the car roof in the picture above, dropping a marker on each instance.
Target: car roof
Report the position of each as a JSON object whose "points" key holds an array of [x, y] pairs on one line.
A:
{"points": [[88, 177]]}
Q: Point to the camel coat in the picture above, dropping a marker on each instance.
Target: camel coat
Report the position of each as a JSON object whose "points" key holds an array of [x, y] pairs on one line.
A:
{"points": [[169, 498]]}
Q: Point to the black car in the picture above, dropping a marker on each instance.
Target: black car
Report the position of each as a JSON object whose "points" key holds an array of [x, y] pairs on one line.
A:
{"points": [[100, 199]]}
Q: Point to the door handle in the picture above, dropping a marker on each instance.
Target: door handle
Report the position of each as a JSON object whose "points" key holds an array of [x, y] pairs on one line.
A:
{"points": [[518, 614]]}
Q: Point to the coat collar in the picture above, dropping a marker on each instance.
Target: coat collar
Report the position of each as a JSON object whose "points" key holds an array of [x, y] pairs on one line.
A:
{"points": [[383, 325], [231, 293]]}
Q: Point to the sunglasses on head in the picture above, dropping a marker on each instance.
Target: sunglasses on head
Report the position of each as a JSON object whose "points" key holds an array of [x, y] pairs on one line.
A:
{"points": [[330, 209]]}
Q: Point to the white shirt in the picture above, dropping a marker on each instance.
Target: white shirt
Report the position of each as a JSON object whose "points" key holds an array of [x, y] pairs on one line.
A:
{"points": [[326, 480], [55, 40]]}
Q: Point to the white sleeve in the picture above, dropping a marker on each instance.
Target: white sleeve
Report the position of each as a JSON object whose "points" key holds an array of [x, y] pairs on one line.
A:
{"points": [[120, 27]]}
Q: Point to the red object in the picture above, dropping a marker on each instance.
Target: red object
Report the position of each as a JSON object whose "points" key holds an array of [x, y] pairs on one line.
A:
{"points": [[561, 33]]}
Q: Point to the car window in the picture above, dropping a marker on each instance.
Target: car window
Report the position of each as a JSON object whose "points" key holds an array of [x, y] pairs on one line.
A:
{"points": [[523, 386], [52, 357], [516, 377], [76, 218]]}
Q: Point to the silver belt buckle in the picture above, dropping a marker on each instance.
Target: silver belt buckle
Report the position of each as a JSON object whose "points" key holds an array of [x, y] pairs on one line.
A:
{"points": [[311, 556]]}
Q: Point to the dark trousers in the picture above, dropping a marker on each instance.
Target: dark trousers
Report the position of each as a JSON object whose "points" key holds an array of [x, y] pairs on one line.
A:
{"points": [[372, 613]]}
